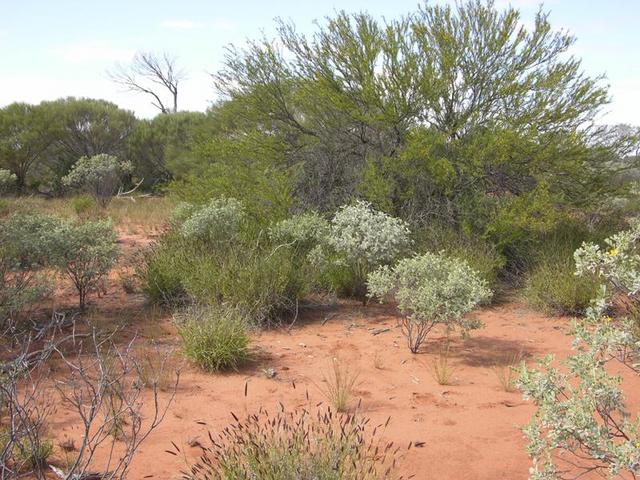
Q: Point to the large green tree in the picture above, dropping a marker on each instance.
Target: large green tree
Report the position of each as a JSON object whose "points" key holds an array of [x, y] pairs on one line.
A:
{"points": [[162, 147], [435, 113], [26, 133], [84, 128]]}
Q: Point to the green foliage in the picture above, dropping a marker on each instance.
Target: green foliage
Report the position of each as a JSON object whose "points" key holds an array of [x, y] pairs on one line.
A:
{"points": [[26, 132], [83, 127], [297, 445], [249, 167], [25, 248], [553, 287], [305, 231], [84, 252], [215, 338], [481, 255], [217, 221], [360, 239], [7, 180], [216, 258], [100, 176], [430, 289], [163, 268], [160, 147], [454, 107], [265, 282], [83, 205], [582, 416]]}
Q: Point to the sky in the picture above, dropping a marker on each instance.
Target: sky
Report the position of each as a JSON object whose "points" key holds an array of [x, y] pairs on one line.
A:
{"points": [[57, 48]]}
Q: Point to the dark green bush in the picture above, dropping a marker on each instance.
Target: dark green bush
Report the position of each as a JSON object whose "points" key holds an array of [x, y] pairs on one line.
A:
{"points": [[479, 254], [163, 267], [215, 338]]}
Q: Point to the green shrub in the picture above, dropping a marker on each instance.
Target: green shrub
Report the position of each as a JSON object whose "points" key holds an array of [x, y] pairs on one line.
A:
{"points": [[100, 176], [483, 257], [265, 282], [163, 267], [84, 252], [219, 220], [7, 181], [297, 445], [304, 231], [83, 206], [26, 246], [214, 338], [360, 239], [430, 289], [553, 288], [582, 416], [215, 258]]}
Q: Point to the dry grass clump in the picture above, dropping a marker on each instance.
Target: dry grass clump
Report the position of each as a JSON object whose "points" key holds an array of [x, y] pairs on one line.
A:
{"points": [[296, 445], [507, 372], [142, 214], [339, 385], [157, 367], [441, 369]]}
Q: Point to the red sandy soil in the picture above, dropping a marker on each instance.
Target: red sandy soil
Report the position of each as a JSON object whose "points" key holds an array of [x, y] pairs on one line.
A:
{"points": [[470, 429]]}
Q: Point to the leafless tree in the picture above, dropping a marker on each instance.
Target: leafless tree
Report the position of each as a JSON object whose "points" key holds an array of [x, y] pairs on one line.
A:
{"points": [[103, 388], [151, 73]]}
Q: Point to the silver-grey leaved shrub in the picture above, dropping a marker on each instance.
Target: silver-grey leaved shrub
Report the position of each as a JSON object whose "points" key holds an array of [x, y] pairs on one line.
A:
{"points": [[217, 220], [583, 424], [25, 249], [7, 180], [360, 239], [101, 176], [430, 289], [85, 253]]}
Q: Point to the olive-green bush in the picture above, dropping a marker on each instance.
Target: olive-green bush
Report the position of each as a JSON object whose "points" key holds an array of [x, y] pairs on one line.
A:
{"points": [[214, 338]]}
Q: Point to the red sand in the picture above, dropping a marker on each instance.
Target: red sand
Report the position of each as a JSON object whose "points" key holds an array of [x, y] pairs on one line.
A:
{"points": [[470, 429]]}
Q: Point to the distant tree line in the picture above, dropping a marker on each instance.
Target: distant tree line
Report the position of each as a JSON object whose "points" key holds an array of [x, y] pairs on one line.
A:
{"points": [[456, 115]]}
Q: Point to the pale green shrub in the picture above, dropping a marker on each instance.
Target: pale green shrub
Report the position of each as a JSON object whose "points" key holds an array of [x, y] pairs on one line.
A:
{"points": [[25, 247], [100, 176], [84, 252], [181, 212], [360, 240], [7, 180], [218, 220], [304, 231], [430, 289], [582, 416]]}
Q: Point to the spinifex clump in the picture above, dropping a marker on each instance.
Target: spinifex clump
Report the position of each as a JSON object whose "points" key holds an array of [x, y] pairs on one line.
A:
{"points": [[297, 445]]}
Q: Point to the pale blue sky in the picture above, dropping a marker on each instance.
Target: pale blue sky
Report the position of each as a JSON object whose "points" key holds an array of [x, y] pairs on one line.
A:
{"points": [[55, 48]]}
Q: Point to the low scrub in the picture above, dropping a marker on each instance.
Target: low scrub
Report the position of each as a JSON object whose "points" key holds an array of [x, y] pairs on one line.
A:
{"points": [[215, 339], [297, 445], [482, 256], [206, 261], [430, 289], [553, 288], [359, 240]]}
